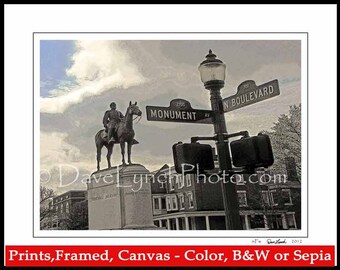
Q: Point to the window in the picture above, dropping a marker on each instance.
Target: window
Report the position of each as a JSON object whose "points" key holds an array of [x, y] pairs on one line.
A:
{"points": [[286, 196], [61, 207], [188, 178], [172, 183], [191, 199], [181, 201], [273, 197], [168, 203], [257, 221], [163, 203], [162, 179], [265, 197], [67, 208], [56, 208], [242, 197], [171, 202], [291, 220], [174, 202], [66, 196], [180, 180], [157, 203], [275, 222]]}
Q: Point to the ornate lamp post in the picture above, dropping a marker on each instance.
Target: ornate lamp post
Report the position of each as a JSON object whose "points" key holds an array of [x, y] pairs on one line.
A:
{"points": [[213, 73]]}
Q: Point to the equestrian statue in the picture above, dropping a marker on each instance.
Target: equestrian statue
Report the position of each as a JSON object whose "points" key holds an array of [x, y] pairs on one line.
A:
{"points": [[118, 130]]}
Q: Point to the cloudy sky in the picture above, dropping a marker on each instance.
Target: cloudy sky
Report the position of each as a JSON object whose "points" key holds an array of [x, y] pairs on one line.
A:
{"points": [[79, 79]]}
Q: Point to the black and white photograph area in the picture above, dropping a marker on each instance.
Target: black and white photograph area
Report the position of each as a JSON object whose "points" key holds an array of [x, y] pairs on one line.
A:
{"points": [[169, 134]]}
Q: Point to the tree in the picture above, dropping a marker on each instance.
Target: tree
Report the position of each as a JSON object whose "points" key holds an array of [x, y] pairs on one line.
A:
{"points": [[286, 140], [285, 136], [46, 211], [77, 218]]}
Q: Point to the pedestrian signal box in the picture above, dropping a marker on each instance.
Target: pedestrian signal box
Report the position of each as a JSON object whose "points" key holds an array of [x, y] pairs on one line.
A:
{"points": [[192, 157], [252, 152]]}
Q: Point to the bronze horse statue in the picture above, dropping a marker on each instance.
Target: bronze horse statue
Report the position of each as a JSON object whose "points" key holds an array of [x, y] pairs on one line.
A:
{"points": [[125, 134]]}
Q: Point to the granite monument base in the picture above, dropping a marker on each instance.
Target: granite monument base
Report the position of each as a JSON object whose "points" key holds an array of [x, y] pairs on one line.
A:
{"points": [[120, 198]]}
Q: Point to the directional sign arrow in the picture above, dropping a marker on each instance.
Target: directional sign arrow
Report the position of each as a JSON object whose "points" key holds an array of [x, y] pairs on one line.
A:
{"points": [[180, 110], [249, 93]]}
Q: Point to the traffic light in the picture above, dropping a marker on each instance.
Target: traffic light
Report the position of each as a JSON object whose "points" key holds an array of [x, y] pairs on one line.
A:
{"points": [[190, 157], [252, 152]]}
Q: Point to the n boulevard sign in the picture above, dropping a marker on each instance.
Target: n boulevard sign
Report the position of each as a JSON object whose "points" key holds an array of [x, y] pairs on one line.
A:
{"points": [[249, 93], [180, 110]]}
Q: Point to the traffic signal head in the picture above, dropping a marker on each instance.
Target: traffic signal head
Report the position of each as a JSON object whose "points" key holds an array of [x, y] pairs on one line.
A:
{"points": [[252, 152], [190, 157]]}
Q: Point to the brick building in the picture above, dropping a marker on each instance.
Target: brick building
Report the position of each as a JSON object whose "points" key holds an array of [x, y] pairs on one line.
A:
{"points": [[269, 203], [182, 203], [191, 203], [70, 211]]}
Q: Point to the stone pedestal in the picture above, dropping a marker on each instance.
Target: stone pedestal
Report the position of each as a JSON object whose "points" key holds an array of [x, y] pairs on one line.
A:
{"points": [[120, 198]]}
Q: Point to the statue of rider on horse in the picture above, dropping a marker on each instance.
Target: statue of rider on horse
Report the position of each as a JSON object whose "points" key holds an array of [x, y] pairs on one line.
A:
{"points": [[118, 129]]}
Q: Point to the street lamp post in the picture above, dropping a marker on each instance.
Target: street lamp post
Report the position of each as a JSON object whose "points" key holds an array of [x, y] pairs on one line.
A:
{"points": [[213, 72]]}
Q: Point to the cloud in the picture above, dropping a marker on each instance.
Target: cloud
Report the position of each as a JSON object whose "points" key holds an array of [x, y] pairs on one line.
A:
{"points": [[98, 66], [147, 158], [63, 165], [55, 150]]}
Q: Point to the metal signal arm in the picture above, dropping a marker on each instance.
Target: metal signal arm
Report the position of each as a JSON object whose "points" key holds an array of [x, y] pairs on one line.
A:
{"points": [[245, 134], [197, 138]]}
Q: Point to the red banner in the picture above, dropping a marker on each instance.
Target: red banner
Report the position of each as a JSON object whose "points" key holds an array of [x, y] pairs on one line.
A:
{"points": [[170, 256]]}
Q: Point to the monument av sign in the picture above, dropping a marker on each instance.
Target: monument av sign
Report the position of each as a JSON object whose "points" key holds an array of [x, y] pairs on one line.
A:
{"points": [[249, 93], [180, 110]]}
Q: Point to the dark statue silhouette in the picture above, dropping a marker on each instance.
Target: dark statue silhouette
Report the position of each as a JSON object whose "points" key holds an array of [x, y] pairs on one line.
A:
{"points": [[123, 134]]}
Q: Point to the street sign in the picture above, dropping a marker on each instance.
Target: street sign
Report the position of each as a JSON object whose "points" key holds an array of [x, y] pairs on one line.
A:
{"points": [[249, 93], [180, 110]]}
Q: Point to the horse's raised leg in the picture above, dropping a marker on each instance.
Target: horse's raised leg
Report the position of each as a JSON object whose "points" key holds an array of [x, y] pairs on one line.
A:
{"points": [[129, 152], [99, 153], [122, 149], [108, 156]]}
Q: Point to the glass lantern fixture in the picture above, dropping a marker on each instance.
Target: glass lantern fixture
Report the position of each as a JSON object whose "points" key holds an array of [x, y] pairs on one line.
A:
{"points": [[213, 72]]}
